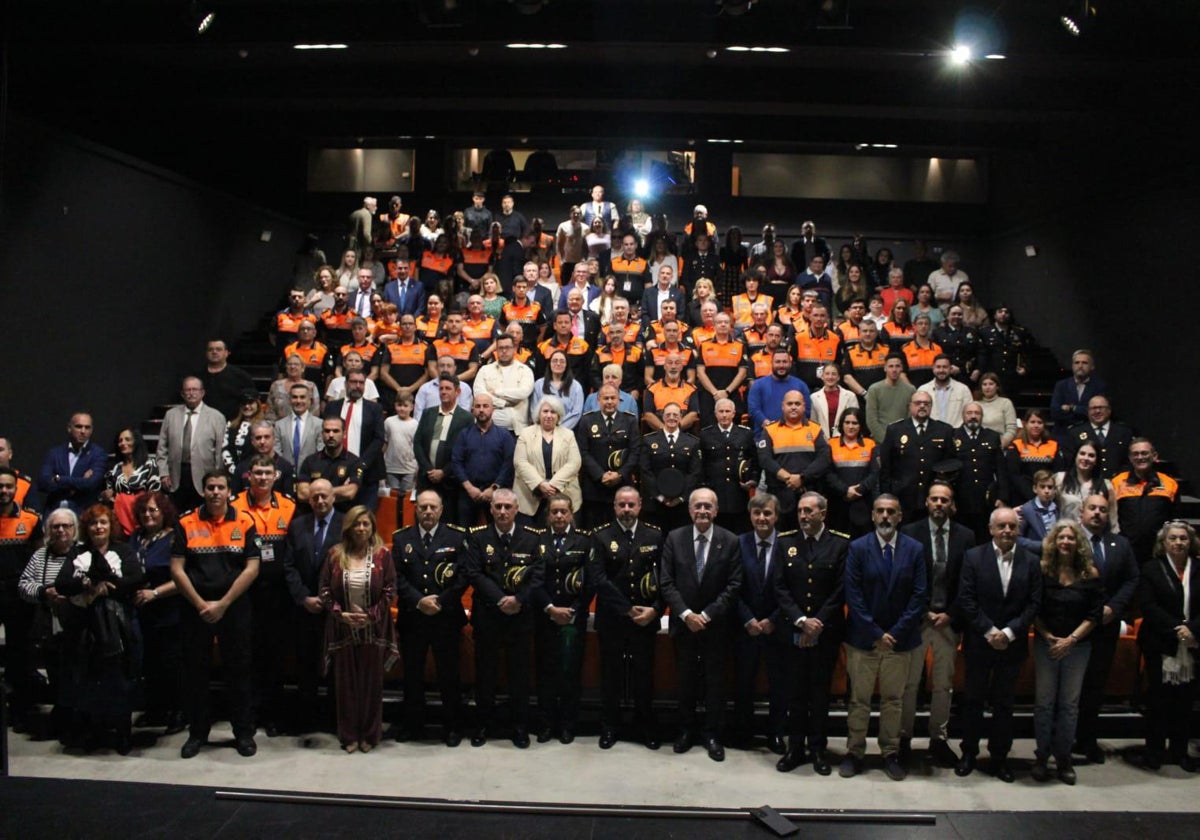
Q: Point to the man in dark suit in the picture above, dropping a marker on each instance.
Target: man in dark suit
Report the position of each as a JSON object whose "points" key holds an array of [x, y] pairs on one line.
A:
{"points": [[761, 637], [407, 294], [1070, 400], [999, 593], [73, 472], [585, 323], [433, 441], [909, 450], [983, 480], [608, 448], [730, 466], [809, 584], [364, 435], [669, 448], [309, 537], [1113, 556], [661, 290], [886, 595], [944, 543], [512, 261], [1111, 439], [809, 245], [430, 579], [504, 568], [622, 571], [700, 577]]}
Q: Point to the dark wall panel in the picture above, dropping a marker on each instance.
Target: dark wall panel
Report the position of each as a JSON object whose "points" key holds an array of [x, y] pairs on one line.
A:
{"points": [[113, 276]]}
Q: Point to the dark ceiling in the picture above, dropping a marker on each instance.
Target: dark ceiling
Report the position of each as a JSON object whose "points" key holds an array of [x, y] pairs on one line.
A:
{"points": [[133, 73]]}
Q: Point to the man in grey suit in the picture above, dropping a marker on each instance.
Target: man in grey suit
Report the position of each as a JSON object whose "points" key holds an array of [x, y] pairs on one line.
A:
{"points": [[189, 445], [433, 442], [298, 435], [699, 579]]}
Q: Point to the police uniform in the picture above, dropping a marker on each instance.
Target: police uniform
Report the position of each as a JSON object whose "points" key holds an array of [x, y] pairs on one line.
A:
{"points": [[961, 345], [339, 471], [1001, 351], [798, 449], [808, 580], [601, 451], [20, 534], [658, 454], [906, 462], [433, 567], [215, 552], [727, 460], [623, 572], [560, 647], [1112, 455], [271, 603], [982, 481], [498, 567]]}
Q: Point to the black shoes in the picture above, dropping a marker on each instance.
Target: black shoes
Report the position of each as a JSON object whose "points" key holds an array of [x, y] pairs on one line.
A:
{"points": [[715, 751], [566, 735], [894, 768], [174, 723], [791, 760], [942, 753], [191, 747], [820, 763], [124, 743], [545, 735], [850, 767], [520, 738], [1002, 771], [651, 740], [480, 737], [608, 737], [453, 738], [1091, 752], [1066, 773], [965, 766], [683, 743], [246, 746], [1040, 771]]}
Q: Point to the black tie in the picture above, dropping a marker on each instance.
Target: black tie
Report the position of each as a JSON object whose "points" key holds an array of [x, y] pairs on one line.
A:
{"points": [[427, 540], [1100, 435], [319, 542], [920, 429], [939, 547], [763, 545], [505, 543], [608, 424], [671, 441], [1098, 551]]}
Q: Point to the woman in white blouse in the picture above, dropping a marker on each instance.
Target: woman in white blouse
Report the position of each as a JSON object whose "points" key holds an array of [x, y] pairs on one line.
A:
{"points": [[841, 398]]}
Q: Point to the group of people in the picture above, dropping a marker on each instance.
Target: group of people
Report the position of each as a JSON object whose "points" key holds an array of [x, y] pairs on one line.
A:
{"points": [[691, 437]]}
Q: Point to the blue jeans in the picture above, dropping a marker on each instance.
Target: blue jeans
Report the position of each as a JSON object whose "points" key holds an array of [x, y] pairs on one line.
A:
{"points": [[1056, 699]]}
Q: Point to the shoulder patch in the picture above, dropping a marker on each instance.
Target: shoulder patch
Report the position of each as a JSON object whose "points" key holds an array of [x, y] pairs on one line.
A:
{"points": [[650, 525], [477, 529], [841, 534], [454, 526], [534, 530], [790, 533]]}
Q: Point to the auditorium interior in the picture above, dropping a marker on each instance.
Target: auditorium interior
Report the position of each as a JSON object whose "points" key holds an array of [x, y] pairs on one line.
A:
{"points": [[157, 181]]}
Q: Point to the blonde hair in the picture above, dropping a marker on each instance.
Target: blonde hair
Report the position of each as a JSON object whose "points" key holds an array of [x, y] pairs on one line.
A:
{"points": [[340, 553], [1080, 563]]}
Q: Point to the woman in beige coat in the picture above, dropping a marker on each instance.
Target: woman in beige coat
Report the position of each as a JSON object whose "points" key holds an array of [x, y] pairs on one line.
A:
{"points": [[546, 462]]}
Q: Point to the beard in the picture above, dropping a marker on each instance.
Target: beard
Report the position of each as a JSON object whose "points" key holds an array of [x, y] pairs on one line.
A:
{"points": [[887, 531]]}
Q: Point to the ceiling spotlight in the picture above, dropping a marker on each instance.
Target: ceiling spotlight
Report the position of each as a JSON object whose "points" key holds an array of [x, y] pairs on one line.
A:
{"points": [[960, 55], [711, 53], [995, 56], [641, 188], [201, 17], [1076, 16], [734, 8]]}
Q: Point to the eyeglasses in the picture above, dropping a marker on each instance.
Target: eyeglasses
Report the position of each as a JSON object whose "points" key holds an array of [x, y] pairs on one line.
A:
{"points": [[152, 510]]}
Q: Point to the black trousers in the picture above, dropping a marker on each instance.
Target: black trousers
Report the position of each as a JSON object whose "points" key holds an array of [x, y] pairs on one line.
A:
{"points": [[184, 495], [749, 652], [618, 640], [559, 666], [809, 672], [233, 634], [1170, 710], [992, 679], [513, 635], [308, 648], [162, 668], [420, 634], [17, 618], [1104, 647], [272, 611], [702, 656]]}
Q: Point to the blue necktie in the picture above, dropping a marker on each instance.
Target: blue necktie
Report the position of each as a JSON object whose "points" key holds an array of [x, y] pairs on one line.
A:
{"points": [[296, 442], [887, 555], [1098, 551], [319, 540], [403, 293]]}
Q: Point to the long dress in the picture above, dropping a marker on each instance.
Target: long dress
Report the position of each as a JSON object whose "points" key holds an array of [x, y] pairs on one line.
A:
{"points": [[359, 655]]}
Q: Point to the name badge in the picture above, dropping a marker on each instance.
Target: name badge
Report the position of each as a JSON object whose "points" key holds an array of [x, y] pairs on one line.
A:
{"points": [[268, 553]]}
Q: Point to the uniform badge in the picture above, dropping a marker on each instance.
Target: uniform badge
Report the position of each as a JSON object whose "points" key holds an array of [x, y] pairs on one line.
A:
{"points": [[613, 547], [958, 443], [654, 446], [237, 534], [595, 429], [408, 549], [280, 524], [903, 439], [792, 551], [490, 550], [810, 437], [21, 529], [1083, 435], [762, 444], [341, 472]]}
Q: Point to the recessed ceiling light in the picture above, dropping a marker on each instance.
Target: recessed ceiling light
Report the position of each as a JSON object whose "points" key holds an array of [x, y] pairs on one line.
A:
{"points": [[737, 49], [961, 54], [319, 46], [995, 56]]}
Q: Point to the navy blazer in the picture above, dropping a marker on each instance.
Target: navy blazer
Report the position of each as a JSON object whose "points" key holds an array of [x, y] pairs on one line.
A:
{"points": [[1065, 394], [303, 558], [372, 436], [59, 483], [649, 303], [983, 603], [414, 298], [756, 598], [885, 600], [713, 593], [1119, 573], [1033, 530]]}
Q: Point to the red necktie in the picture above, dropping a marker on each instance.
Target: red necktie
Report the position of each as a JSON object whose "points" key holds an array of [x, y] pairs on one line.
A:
{"points": [[349, 417]]}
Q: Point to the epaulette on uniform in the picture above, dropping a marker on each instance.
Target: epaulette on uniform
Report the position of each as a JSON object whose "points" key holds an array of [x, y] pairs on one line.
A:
{"points": [[790, 533], [454, 526], [599, 528], [841, 534], [477, 529], [534, 530], [747, 428], [649, 525]]}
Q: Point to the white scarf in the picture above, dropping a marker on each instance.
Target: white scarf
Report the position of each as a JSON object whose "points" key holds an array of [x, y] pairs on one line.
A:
{"points": [[1180, 669]]}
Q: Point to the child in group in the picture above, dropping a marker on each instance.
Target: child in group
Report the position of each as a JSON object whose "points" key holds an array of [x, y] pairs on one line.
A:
{"points": [[398, 458]]}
